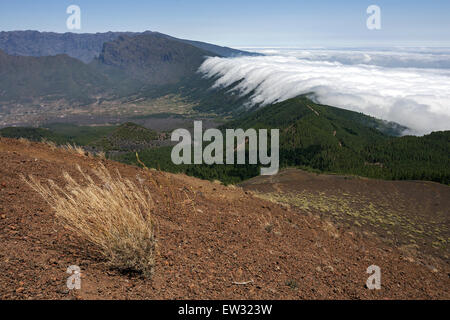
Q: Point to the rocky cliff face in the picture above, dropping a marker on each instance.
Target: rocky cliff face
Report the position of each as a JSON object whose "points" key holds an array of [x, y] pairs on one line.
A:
{"points": [[84, 47], [153, 58]]}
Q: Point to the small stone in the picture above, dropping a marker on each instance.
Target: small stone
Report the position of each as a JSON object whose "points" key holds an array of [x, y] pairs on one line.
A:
{"points": [[330, 268], [84, 263], [64, 290]]}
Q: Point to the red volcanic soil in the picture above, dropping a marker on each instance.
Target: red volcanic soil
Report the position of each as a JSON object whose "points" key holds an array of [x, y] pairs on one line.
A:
{"points": [[222, 237], [412, 216]]}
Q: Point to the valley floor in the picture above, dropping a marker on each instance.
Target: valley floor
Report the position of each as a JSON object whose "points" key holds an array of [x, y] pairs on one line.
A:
{"points": [[211, 239]]}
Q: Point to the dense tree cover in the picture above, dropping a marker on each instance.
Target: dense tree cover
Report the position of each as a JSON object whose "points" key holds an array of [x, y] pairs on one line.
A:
{"points": [[411, 158], [159, 158], [32, 134], [80, 135], [340, 141], [126, 137], [60, 133]]}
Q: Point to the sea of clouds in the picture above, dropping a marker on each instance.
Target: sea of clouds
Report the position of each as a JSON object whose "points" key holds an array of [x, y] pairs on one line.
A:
{"points": [[410, 87]]}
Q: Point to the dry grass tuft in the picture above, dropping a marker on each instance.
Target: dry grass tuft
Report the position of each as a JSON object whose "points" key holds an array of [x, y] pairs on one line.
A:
{"points": [[330, 228], [114, 215], [101, 155], [75, 149], [25, 141], [49, 143]]}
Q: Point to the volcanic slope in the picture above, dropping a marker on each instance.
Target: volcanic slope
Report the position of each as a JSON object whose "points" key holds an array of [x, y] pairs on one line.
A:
{"points": [[222, 243], [412, 216]]}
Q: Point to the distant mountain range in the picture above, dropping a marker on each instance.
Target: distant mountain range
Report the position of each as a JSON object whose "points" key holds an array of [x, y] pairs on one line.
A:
{"points": [[36, 67], [85, 47], [124, 66]]}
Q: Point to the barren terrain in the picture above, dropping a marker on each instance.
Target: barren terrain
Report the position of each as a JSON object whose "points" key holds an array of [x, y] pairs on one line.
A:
{"points": [[215, 242], [410, 215]]}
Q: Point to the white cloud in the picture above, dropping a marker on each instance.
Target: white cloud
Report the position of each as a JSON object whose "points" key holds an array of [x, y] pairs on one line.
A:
{"points": [[418, 98], [436, 58]]}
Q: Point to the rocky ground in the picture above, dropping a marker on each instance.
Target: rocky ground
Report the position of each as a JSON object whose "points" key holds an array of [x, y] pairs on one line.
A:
{"points": [[412, 216], [215, 242]]}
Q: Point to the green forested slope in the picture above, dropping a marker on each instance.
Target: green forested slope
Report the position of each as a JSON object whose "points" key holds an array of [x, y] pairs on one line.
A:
{"points": [[340, 141]]}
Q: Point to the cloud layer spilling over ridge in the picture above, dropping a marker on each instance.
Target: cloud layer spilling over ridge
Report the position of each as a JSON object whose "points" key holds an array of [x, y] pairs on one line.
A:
{"points": [[418, 98], [435, 58]]}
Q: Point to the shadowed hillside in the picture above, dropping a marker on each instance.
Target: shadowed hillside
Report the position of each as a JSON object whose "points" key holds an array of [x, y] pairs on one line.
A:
{"points": [[126, 137], [125, 67], [153, 58], [55, 77]]}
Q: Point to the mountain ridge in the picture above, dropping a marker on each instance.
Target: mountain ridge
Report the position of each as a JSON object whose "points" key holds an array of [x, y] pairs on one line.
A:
{"points": [[85, 46], [153, 58], [124, 67]]}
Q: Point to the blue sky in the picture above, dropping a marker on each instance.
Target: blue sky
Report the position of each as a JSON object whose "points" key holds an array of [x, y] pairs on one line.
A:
{"points": [[246, 23]]}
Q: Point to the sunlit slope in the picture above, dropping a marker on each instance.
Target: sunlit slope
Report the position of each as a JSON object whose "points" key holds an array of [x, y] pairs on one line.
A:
{"points": [[335, 140]]}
